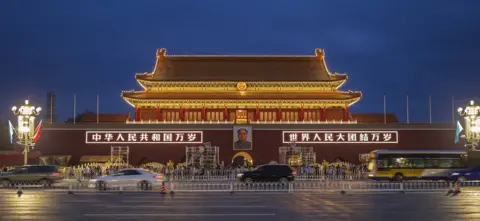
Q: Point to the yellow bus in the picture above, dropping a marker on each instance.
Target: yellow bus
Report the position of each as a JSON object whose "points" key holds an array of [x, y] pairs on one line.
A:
{"points": [[399, 165]]}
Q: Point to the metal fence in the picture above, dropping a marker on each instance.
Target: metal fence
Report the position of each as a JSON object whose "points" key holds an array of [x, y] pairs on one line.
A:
{"points": [[231, 175], [287, 187], [191, 174]]}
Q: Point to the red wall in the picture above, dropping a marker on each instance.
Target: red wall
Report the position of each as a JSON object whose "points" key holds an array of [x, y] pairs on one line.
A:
{"points": [[265, 146]]}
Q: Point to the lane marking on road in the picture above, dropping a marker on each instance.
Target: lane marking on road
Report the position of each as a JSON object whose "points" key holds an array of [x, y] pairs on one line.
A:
{"points": [[174, 214], [191, 201], [44, 201], [183, 207], [191, 197]]}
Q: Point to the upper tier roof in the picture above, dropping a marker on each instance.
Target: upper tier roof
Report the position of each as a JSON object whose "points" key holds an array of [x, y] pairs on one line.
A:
{"points": [[338, 95], [240, 68]]}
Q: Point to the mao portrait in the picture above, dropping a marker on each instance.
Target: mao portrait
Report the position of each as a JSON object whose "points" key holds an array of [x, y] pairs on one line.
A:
{"points": [[242, 138]]}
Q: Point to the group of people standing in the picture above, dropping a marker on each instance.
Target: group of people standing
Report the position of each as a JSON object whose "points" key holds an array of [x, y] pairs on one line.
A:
{"points": [[325, 170]]}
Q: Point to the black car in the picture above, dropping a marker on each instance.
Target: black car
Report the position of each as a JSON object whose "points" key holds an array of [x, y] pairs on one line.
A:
{"points": [[31, 175], [268, 173]]}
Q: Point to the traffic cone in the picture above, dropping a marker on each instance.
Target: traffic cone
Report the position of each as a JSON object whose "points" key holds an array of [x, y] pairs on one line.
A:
{"points": [[70, 189], [164, 190], [19, 191], [457, 188]]}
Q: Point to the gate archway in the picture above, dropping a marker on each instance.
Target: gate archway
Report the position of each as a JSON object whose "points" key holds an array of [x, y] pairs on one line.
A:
{"points": [[241, 157]]}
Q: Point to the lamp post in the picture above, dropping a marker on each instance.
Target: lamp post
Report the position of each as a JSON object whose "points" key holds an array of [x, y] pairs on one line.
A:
{"points": [[472, 124], [26, 125]]}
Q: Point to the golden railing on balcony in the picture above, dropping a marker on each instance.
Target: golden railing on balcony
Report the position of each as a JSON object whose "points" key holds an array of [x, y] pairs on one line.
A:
{"points": [[233, 122]]}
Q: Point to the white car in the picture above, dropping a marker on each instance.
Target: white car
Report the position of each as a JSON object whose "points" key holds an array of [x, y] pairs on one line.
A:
{"points": [[128, 178]]}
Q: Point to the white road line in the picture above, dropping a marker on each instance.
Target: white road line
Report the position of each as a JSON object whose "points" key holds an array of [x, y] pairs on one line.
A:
{"points": [[44, 201], [175, 214], [183, 207], [190, 201], [191, 197]]}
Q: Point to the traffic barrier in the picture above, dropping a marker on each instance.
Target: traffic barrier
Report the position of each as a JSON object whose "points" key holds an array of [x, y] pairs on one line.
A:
{"points": [[163, 191], [233, 177], [298, 186], [37, 185]]}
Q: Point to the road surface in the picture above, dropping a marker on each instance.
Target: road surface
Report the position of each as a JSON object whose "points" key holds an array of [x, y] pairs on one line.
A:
{"points": [[59, 206]]}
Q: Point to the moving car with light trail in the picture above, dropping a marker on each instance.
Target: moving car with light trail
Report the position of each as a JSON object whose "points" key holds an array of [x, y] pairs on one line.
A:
{"points": [[31, 175], [468, 174], [128, 178]]}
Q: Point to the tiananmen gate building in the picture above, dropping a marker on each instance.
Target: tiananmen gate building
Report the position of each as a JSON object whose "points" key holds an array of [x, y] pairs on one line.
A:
{"points": [[257, 108]]}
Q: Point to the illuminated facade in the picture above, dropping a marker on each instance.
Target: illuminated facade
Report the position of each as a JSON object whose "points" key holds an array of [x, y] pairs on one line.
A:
{"points": [[241, 89], [252, 107]]}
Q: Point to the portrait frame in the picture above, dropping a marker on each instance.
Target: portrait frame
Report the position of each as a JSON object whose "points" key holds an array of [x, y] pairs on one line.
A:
{"points": [[239, 145]]}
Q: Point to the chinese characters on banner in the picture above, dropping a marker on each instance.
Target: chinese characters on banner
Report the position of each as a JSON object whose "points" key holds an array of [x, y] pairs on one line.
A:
{"points": [[313, 137], [143, 137]]}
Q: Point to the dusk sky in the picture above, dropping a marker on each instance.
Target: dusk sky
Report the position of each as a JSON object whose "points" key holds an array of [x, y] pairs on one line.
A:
{"points": [[92, 47]]}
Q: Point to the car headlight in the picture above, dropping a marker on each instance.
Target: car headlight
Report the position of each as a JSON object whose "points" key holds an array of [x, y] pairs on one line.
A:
{"points": [[93, 181], [455, 174], [240, 174]]}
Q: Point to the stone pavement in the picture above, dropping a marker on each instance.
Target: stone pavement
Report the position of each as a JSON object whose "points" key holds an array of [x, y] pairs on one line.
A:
{"points": [[58, 206]]}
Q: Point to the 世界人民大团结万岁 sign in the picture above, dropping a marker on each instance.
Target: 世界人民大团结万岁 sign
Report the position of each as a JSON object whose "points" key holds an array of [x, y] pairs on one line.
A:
{"points": [[143, 137], [318, 137]]}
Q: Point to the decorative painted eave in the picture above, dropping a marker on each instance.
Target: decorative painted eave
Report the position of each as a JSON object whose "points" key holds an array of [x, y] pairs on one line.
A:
{"points": [[153, 85], [241, 103]]}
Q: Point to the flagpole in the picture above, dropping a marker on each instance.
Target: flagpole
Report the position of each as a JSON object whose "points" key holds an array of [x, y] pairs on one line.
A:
{"points": [[51, 108], [430, 107], [408, 111], [453, 109], [98, 107], [384, 109], [74, 108]]}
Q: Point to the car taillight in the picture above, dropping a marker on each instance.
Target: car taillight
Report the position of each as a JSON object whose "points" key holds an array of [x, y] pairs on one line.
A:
{"points": [[294, 172], [56, 174], [157, 177]]}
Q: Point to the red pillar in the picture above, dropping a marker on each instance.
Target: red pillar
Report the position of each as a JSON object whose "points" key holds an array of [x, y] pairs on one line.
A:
{"points": [[182, 114], [257, 114], [345, 113], [225, 114], [301, 116], [324, 114], [160, 112], [136, 114], [157, 112], [204, 113], [279, 114]]}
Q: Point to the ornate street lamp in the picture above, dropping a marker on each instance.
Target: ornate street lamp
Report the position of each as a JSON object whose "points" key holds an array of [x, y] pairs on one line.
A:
{"points": [[26, 125], [472, 124]]}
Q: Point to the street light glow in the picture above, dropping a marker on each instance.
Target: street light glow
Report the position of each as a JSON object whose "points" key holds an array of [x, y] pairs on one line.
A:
{"points": [[472, 123], [26, 125]]}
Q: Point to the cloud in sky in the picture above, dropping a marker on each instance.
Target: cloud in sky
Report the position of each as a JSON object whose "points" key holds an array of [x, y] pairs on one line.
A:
{"points": [[94, 47]]}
